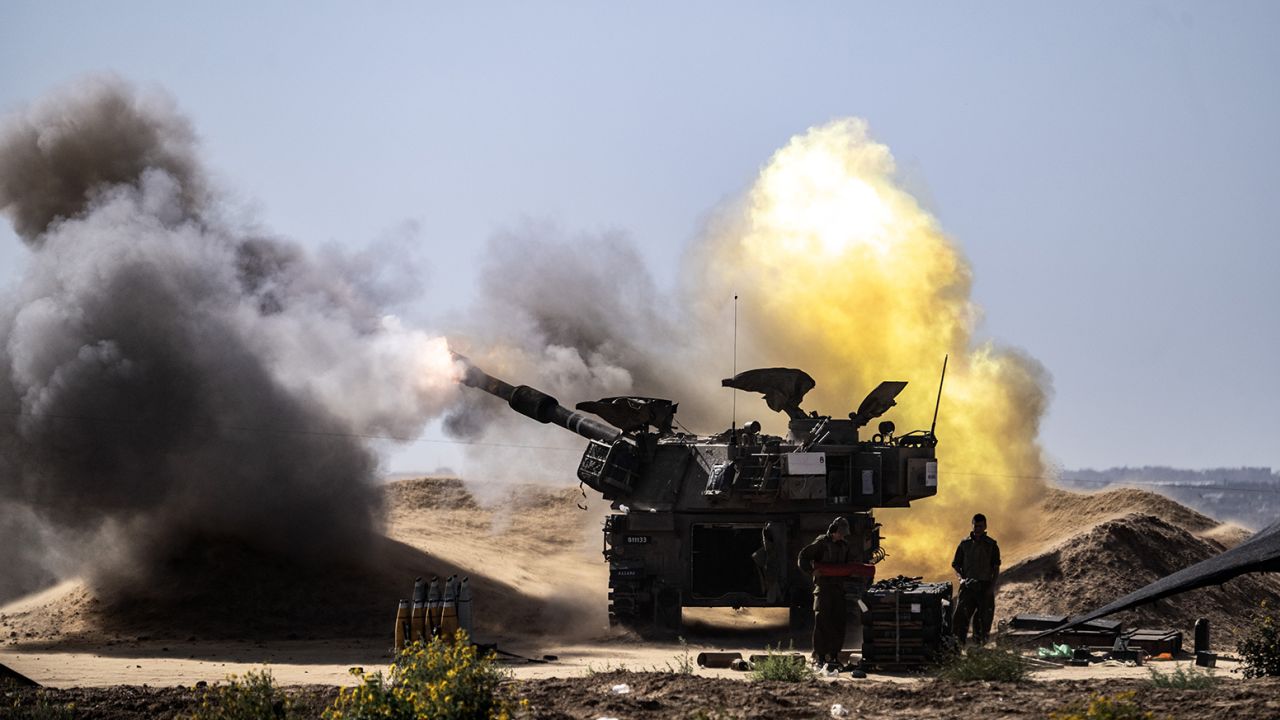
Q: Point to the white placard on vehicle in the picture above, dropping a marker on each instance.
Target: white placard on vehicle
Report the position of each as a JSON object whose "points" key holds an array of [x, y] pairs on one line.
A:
{"points": [[807, 463]]}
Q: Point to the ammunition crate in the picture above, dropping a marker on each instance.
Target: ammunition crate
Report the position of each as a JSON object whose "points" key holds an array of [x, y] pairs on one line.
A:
{"points": [[1155, 641], [905, 629]]}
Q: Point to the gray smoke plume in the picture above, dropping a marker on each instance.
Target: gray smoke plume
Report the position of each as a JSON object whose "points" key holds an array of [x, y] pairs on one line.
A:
{"points": [[169, 381], [577, 316]]}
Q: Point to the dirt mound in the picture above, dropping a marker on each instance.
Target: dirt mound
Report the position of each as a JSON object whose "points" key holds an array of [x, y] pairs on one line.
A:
{"points": [[1113, 556], [427, 493], [407, 497], [1067, 513]]}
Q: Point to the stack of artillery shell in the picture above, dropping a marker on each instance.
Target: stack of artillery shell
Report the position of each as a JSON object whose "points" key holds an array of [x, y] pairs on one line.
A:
{"points": [[438, 610]]}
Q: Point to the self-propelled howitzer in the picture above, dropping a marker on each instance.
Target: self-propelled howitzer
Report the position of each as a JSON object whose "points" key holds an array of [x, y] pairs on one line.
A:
{"points": [[717, 521]]}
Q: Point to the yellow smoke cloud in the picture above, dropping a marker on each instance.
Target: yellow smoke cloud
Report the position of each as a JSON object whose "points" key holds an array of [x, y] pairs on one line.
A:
{"points": [[842, 273]]}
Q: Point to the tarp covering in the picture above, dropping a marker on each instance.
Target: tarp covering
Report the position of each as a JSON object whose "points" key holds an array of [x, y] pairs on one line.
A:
{"points": [[1260, 553], [783, 388]]}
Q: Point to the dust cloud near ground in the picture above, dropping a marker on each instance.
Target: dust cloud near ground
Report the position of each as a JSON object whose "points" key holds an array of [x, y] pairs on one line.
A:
{"points": [[532, 558]]}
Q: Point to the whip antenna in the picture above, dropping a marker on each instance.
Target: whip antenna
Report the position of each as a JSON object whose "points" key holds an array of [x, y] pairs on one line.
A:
{"points": [[934, 426], [733, 422]]}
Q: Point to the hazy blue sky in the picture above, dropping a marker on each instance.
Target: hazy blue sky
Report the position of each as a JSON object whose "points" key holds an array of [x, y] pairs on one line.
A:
{"points": [[1110, 169]]}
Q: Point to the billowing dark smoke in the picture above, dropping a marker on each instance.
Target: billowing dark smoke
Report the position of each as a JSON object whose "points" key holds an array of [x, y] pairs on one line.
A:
{"points": [[55, 163], [169, 382]]}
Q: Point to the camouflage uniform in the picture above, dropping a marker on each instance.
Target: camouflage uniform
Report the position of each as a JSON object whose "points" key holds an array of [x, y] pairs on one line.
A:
{"points": [[977, 561], [830, 609]]}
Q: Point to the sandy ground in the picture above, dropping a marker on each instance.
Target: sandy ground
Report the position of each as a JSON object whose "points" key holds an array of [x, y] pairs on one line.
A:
{"points": [[330, 662]]}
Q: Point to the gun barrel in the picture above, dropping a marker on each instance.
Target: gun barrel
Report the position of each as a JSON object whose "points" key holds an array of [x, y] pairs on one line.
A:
{"points": [[538, 405]]}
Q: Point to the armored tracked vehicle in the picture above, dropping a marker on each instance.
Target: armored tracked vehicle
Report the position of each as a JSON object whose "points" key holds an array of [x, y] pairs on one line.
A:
{"points": [[717, 521]]}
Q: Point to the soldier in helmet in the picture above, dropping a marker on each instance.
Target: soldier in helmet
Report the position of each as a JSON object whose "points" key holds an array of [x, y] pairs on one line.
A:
{"points": [[828, 591], [977, 562]]}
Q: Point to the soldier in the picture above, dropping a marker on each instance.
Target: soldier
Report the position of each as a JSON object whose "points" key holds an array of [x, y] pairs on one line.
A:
{"points": [[977, 562], [769, 563], [828, 592]]}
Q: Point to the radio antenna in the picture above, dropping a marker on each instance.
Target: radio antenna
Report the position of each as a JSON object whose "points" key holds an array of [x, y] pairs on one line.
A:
{"points": [[733, 422], [934, 426]]}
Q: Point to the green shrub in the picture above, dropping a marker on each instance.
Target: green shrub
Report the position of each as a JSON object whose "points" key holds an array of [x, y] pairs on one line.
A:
{"points": [[1184, 679], [777, 665], [978, 663], [1120, 706], [684, 661], [435, 680], [256, 697], [1260, 650]]}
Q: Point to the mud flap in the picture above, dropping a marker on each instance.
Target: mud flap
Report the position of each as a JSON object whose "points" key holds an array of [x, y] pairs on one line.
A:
{"points": [[668, 611]]}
